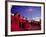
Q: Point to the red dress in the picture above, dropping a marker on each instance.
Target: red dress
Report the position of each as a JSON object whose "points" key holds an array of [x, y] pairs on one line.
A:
{"points": [[21, 24], [14, 25]]}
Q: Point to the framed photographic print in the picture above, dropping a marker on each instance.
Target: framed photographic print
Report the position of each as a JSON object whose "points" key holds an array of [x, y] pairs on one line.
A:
{"points": [[24, 18]]}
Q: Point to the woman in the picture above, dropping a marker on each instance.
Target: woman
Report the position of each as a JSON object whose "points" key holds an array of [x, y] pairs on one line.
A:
{"points": [[15, 22], [27, 25]]}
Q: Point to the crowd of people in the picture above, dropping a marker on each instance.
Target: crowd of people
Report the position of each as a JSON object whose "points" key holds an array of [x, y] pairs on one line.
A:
{"points": [[20, 23]]}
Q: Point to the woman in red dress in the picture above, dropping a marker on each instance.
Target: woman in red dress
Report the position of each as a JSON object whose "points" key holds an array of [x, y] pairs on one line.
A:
{"points": [[27, 25], [15, 22]]}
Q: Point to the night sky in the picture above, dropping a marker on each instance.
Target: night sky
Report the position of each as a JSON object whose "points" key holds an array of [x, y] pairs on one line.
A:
{"points": [[27, 11]]}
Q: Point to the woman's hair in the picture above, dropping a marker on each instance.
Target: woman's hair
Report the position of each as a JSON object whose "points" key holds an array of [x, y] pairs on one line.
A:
{"points": [[15, 13]]}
